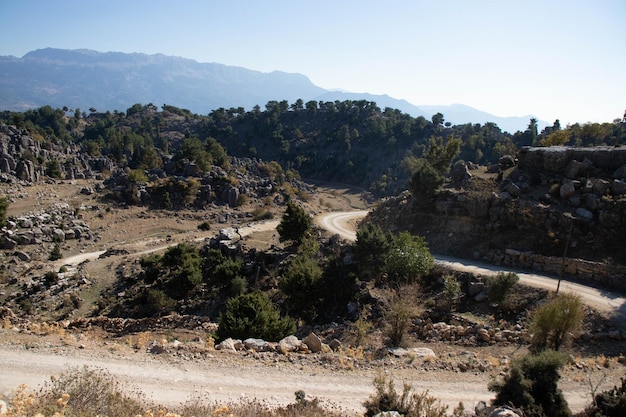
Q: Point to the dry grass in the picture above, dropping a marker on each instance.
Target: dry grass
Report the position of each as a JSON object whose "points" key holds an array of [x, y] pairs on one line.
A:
{"points": [[93, 392]]}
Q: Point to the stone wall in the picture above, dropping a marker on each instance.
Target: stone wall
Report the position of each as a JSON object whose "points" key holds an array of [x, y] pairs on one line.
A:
{"points": [[557, 158], [598, 273]]}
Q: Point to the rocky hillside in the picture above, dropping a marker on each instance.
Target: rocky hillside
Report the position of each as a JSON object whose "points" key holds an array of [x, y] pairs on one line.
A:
{"points": [[554, 201]]}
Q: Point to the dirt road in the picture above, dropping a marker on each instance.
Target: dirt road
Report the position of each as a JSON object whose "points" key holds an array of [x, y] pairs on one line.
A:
{"points": [[171, 381], [226, 377], [609, 302]]}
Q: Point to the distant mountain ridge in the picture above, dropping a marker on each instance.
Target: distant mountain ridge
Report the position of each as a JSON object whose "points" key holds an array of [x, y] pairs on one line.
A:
{"points": [[84, 78]]}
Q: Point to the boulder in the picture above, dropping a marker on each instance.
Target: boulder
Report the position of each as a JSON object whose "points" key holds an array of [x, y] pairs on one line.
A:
{"points": [[618, 187], [513, 189], [423, 352], [567, 189], [335, 345], [388, 414], [475, 288], [228, 345], [58, 235], [258, 345], [313, 342], [573, 169], [503, 411], [22, 256], [289, 344], [584, 214], [483, 335], [7, 243]]}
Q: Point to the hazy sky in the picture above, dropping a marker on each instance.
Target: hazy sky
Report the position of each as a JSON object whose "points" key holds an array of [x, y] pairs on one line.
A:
{"points": [[551, 59]]}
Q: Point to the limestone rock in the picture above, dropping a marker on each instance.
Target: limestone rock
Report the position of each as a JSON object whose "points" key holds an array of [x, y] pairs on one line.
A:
{"points": [[313, 343], [289, 344], [228, 345], [503, 411], [258, 345]]}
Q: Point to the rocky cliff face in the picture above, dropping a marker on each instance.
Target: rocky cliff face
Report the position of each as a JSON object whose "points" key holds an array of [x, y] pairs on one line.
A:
{"points": [[24, 158], [555, 201]]}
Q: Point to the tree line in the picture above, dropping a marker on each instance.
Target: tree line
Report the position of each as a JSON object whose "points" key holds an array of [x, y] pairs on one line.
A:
{"points": [[351, 141]]}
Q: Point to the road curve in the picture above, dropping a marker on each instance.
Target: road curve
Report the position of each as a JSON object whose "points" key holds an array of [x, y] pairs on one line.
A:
{"points": [[342, 223]]}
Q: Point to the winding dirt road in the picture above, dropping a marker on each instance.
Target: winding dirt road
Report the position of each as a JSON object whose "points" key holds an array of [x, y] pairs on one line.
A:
{"points": [[223, 377], [609, 302]]}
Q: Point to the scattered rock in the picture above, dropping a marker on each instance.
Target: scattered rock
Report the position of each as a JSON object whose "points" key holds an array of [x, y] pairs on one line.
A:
{"points": [[228, 345], [313, 343]]}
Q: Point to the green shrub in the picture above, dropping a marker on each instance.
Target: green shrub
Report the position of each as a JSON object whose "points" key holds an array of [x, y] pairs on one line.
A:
{"points": [[253, 315], [499, 286], [55, 253], [372, 245], [554, 322], [4, 205], [531, 385], [204, 226], [408, 258], [424, 183], [295, 224], [300, 284]]}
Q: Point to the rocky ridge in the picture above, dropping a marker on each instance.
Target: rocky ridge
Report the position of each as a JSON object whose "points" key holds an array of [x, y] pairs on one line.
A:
{"points": [[552, 201]]}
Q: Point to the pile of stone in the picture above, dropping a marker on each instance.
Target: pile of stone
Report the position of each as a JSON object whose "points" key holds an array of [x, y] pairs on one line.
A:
{"points": [[472, 335], [310, 344], [56, 224]]}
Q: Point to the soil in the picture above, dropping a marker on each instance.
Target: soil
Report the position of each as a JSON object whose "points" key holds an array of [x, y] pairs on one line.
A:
{"points": [[190, 366]]}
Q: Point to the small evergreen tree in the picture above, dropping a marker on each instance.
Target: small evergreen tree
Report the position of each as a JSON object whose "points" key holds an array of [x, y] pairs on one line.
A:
{"points": [[4, 205], [500, 286], [424, 182], [55, 254], [532, 386], [295, 224], [300, 284], [253, 315], [372, 245]]}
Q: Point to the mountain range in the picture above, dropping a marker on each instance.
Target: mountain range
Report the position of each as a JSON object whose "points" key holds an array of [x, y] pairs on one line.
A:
{"points": [[87, 79]]}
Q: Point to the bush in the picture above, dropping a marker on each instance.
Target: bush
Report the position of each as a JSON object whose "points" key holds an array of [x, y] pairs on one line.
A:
{"points": [[408, 258], [424, 183], [531, 385], [55, 253], [4, 205], [253, 315], [554, 322], [408, 404], [399, 314], [204, 226], [88, 392], [499, 286], [300, 284], [372, 245], [611, 403], [261, 213], [295, 224]]}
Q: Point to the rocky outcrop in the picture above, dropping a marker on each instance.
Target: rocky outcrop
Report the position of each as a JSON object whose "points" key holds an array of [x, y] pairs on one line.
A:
{"points": [[567, 161], [554, 198], [56, 224], [23, 158]]}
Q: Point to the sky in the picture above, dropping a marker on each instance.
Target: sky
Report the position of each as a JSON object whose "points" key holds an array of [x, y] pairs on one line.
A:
{"points": [[551, 59]]}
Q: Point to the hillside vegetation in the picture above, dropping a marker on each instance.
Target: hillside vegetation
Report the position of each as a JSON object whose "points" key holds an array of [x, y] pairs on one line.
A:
{"points": [[173, 181]]}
